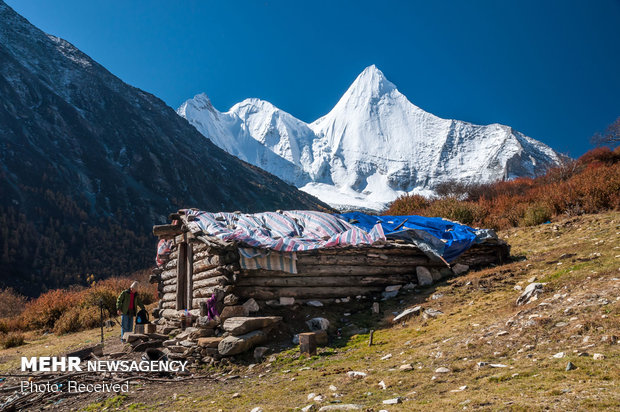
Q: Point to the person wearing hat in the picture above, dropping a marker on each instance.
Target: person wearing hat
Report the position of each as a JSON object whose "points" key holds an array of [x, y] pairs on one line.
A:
{"points": [[126, 305]]}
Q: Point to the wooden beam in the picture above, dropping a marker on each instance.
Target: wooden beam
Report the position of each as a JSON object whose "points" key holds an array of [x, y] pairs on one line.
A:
{"points": [[167, 231], [266, 293], [335, 281]]}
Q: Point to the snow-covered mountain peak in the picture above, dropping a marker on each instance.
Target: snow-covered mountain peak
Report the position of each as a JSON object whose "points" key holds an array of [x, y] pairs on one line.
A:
{"points": [[199, 102], [373, 146], [370, 84]]}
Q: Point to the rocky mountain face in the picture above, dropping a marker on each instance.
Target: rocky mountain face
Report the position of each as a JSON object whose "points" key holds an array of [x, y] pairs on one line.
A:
{"points": [[88, 164], [371, 147]]}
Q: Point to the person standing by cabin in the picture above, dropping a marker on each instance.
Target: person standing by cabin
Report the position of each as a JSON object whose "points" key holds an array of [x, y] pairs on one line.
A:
{"points": [[126, 305]]}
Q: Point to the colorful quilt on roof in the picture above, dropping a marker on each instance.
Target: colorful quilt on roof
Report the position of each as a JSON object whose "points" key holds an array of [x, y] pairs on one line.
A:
{"points": [[287, 231]]}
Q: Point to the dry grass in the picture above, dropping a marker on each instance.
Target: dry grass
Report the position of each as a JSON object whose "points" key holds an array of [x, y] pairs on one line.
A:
{"points": [[578, 312], [49, 344]]}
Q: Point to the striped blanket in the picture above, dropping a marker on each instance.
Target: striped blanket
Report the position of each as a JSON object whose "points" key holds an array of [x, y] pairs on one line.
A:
{"points": [[250, 258], [287, 231]]}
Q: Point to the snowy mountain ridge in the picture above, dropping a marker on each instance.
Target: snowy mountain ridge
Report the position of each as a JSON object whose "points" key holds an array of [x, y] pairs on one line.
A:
{"points": [[373, 146]]}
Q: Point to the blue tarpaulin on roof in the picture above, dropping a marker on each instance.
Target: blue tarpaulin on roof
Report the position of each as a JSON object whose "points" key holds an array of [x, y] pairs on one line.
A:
{"points": [[434, 235]]}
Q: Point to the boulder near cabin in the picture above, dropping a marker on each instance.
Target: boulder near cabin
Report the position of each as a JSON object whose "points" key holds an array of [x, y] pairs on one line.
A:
{"points": [[226, 281]]}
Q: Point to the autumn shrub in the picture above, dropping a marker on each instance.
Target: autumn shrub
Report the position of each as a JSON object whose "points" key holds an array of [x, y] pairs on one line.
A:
{"points": [[409, 205], [12, 324], [43, 312], [453, 209], [535, 214], [589, 185], [11, 340], [78, 318], [78, 308], [11, 303]]}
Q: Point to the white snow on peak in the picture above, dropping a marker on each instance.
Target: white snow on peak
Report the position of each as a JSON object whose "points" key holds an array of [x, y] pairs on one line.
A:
{"points": [[373, 146]]}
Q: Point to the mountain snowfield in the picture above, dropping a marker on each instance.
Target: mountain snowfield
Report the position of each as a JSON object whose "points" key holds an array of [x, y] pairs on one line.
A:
{"points": [[373, 146]]}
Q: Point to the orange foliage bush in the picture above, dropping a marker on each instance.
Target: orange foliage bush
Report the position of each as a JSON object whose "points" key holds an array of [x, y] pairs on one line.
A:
{"points": [[71, 310], [589, 185]]}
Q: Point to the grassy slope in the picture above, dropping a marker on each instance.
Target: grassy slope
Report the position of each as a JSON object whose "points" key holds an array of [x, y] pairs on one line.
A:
{"points": [[583, 291]]}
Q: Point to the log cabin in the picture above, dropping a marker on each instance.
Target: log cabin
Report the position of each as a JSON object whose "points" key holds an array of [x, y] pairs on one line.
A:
{"points": [[214, 267]]}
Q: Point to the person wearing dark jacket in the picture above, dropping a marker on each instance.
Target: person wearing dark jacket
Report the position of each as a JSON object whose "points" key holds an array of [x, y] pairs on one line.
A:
{"points": [[126, 306]]}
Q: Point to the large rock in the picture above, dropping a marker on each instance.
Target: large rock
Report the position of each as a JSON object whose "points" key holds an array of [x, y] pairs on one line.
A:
{"points": [[425, 277], [130, 337], [233, 345], [242, 325], [234, 311], [205, 322], [230, 300], [459, 269], [407, 313], [251, 305], [431, 313], [436, 274], [191, 334], [318, 324], [212, 342]]}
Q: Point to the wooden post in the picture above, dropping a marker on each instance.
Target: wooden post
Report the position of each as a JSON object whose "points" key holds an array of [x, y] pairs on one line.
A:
{"points": [[371, 336], [101, 318], [189, 268], [182, 277], [307, 343]]}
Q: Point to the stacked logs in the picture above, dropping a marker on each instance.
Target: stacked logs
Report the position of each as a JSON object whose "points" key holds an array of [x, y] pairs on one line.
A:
{"points": [[333, 273], [212, 270]]}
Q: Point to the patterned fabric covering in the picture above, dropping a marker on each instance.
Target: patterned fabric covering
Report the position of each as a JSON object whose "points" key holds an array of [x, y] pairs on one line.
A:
{"points": [[251, 258], [288, 231], [163, 251]]}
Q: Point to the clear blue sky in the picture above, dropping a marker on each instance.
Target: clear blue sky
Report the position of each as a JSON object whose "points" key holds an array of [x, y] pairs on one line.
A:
{"points": [[550, 69]]}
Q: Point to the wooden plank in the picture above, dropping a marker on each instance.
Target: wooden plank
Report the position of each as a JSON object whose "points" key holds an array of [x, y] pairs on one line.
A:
{"points": [[266, 293], [410, 250], [182, 277], [171, 264], [189, 267], [171, 281], [336, 281], [212, 273], [167, 231], [333, 270], [169, 289], [169, 297], [214, 281], [204, 292], [363, 260], [168, 274]]}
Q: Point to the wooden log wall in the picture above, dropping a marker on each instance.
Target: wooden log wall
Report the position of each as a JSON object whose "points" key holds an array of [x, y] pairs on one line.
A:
{"points": [[211, 269], [335, 274]]}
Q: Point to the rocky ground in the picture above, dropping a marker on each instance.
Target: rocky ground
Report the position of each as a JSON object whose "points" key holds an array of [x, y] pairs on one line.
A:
{"points": [[472, 344]]}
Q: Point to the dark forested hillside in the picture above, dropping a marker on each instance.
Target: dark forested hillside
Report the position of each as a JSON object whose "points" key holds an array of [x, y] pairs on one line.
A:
{"points": [[88, 164]]}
